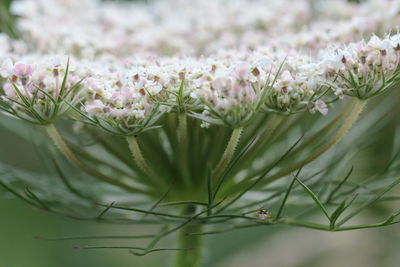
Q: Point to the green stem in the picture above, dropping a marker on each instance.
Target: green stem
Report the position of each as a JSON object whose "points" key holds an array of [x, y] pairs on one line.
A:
{"points": [[183, 148], [228, 153], [62, 146], [304, 224], [348, 123], [269, 130], [182, 128], [140, 160], [66, 151], [323, 132], [264, 138], [192, 257]]}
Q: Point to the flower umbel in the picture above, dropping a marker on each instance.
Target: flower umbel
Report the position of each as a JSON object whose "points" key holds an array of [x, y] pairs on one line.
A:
{"points": [[38, 94], [364, 69], [121, 105]]}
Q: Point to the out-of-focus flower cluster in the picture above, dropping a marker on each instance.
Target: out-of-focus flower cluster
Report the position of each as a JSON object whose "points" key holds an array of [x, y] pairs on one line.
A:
{"points": [[38, 93], [196, 27], [364, 69], [235, 65]]}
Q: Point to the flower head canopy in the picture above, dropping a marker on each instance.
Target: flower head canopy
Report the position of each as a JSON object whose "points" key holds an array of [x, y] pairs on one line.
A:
{"points": [[298, 86], [364, 69], [122, 105], [230, 95], [39, 93]]}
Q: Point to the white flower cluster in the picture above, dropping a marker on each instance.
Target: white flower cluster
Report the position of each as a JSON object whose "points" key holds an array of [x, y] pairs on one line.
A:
{"points": [[122, 104], [40, 92], [121, 51], [92, 27], [299, 86], [231, 95], [345, 23], [364, 69]]}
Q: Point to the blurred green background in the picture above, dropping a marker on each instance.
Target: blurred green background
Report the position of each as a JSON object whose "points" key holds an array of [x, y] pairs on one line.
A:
{"points": [[276, 247]]}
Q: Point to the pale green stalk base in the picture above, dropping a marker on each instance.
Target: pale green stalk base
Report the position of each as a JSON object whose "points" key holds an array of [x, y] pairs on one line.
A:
{"points": [[228, 153], [194, 256], [137, 154], [265, 137], [66, 151], [324, 131], [62, 146], [182, 128], [139, 159], [183, 150], [348, 123]]}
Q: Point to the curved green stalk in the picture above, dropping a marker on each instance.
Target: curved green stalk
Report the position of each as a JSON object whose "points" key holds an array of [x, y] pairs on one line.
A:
{"points": [[66, 151], [265, 138], [286, 125], [276, 120], [311, 140], [321, 133], [228, 153], [137, 154], [140, 161], [350, 120]]}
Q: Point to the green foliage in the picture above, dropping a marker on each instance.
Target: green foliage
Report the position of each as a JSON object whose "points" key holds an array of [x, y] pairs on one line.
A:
{"points": [[7, 20], [218, 206]]}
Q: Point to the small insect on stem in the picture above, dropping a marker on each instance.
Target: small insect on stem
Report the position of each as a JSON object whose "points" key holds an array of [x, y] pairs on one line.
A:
{"points": [[263, 214]]}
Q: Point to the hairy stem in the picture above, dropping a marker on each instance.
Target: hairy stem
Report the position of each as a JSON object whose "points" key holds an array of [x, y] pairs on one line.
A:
{"points": [[66, 151], [140, 160], [228, 153]]}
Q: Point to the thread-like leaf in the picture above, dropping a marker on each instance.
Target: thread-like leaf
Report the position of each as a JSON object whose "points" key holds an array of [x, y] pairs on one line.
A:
{"points": [[278, 214], [314, 197]]}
